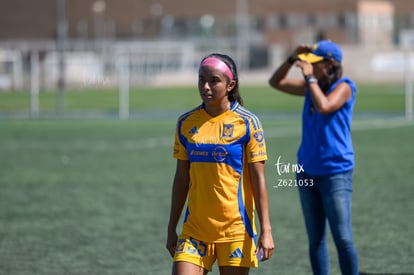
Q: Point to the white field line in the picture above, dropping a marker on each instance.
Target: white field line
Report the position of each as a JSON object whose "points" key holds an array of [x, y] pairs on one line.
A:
{"points": [[167, 141]]}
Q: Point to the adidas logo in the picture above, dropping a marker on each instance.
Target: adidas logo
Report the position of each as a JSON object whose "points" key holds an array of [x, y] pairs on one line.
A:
{"points": [[193, 131], [237, 253]]}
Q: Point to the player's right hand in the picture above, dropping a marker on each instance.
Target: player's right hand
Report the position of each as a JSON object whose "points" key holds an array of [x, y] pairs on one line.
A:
{"points": [[171, 242]]}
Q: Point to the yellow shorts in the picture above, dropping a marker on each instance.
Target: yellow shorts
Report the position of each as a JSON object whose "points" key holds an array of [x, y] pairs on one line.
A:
{"points": [[238, 253]]}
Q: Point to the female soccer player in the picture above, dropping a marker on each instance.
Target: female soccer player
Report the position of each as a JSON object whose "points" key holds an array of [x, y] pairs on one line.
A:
{"points": [[220, 151], [326, 152]]}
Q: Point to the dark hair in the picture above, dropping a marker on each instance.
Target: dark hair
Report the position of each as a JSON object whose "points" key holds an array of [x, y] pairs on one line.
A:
{"points": [[234, 94], [334, 73]]}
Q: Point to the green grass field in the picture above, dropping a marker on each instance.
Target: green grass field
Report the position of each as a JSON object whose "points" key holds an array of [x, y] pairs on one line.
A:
{"points": [[379, 98], [92, 196]]}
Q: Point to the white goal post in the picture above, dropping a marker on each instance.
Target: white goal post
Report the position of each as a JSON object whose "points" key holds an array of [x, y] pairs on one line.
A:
{"points": [[11, 70]]}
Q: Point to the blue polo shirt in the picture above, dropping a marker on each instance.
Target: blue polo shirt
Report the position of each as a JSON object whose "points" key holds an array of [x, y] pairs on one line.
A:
{"points": [[326, 146]]}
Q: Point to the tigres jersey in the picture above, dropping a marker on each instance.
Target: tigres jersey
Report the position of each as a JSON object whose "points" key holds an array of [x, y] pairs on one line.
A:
{"points": [[220, 201]]}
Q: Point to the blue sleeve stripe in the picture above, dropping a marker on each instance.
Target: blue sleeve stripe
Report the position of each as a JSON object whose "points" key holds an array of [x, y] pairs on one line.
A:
{"points": [[234, 106], [250, 116]]}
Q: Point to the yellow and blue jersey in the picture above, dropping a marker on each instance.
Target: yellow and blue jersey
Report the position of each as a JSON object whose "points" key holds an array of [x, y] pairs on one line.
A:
{"points": [[220, 204]]}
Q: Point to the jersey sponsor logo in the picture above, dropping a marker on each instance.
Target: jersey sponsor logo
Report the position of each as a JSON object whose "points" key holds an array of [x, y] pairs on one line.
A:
{"points": [[237, 253], [228, 130], [258, 154], [199, 153], [258, 136], [219, 153]]}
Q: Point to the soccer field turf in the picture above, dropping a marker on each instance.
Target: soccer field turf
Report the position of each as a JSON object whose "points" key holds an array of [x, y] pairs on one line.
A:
{"points": [[92, 197], [384, 98]]}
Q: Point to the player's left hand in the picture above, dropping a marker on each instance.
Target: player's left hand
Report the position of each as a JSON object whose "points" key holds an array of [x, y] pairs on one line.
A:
{"points": [[266, 244]]}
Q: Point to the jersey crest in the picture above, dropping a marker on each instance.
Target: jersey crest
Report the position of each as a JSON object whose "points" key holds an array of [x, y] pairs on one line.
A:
{"points": [[228, 130]]}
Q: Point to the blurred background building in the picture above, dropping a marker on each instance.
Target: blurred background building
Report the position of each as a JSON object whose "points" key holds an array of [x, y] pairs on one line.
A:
{"points": [[85, 41]]}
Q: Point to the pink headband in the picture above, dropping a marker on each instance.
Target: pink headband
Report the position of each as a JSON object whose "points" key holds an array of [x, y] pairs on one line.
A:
{"points": [[217, 64]]}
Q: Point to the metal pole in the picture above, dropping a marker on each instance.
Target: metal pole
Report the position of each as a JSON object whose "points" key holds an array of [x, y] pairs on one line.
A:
{"points": [[123, 83], [409, 79], [34, 84], [243, 33], [18, 71], [60, 45]]}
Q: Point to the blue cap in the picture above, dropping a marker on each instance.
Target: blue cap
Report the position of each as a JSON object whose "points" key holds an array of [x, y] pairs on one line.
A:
{"points": [[323, 50]]}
